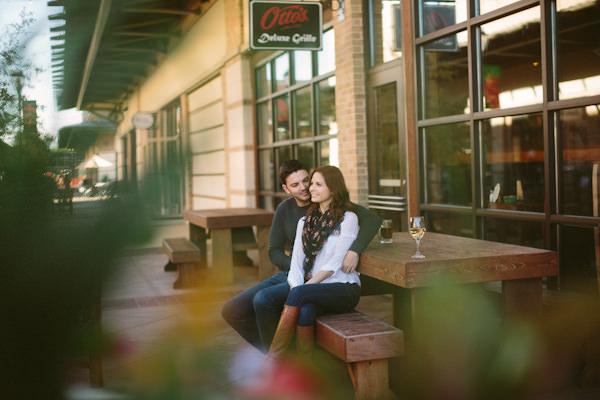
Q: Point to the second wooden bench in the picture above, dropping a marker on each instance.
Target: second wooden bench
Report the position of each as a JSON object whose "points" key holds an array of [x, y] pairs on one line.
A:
{"points": [[187, 257], [365, 344]]}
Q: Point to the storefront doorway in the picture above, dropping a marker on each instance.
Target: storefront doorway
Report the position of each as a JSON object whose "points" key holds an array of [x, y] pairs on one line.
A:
{"points": [[386, 138]]}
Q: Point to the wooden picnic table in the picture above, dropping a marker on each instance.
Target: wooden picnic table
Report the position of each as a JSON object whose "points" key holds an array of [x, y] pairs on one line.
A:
{"points": [[219, 223], [462, 260]]}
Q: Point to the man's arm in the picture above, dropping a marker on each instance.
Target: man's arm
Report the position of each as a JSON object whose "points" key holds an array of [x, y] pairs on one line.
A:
{"points": [[278, 242], [369, 223]]}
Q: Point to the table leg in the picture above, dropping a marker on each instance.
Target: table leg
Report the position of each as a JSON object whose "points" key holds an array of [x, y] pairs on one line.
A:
{"points": [[222, 255], [523, 297], [198, 236], [265, 268]]}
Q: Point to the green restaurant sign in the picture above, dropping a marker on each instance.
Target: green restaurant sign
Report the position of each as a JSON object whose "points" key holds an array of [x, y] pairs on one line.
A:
{"points": [[286, 25]]}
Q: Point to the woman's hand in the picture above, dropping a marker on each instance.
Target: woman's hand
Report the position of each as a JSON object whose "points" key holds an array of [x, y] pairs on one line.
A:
{"points": [[319, 277]]}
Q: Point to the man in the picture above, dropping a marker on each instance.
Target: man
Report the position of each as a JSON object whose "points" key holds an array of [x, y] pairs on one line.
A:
{"points": [[255, 312]]}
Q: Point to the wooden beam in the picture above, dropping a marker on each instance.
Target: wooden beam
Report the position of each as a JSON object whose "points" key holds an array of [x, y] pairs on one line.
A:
{"points": [[103, 13]]}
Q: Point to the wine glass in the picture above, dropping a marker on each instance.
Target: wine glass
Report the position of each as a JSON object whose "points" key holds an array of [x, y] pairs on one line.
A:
{"points": [[417, 230]]}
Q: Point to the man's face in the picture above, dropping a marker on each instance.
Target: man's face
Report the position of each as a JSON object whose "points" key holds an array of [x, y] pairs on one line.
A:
{"points": [[297, 184]]}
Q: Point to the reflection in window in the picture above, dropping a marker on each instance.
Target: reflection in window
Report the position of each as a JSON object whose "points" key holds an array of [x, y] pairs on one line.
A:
{"points": [[386, 153], [305, 154], [326, 56], [446, 88], [263, 80], [580, 133], [326, 109], [451, 224], [578, 260], [523, 233], [265, 123], [302, 66], [328, 152], [491, 5], [511, 50], [440, 14], [266, 170], [448, 169], [282, 72], [282, 113], [514, 163], [387, 31], [578, 23], [304, 126]]}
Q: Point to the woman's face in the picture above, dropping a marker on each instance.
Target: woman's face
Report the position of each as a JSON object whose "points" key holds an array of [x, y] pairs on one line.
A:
{"points": [[319, 192]]}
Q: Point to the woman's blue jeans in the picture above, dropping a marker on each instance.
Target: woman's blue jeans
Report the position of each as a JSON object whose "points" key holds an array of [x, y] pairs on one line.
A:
{"points": [[323, 298]]}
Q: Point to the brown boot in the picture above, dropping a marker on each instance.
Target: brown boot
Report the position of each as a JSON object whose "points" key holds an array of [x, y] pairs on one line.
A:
{"points": [[285, 330], [305, 340]]}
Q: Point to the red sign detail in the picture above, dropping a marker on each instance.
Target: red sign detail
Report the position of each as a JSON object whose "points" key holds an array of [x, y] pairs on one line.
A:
{"points": [[283, 17]]}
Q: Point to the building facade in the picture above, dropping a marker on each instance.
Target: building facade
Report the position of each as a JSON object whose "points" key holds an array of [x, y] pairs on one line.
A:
{"points": [[481, 115]]}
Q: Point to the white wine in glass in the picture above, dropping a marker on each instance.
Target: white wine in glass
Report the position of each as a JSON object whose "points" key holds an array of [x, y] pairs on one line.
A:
{"points": [[416, 229]]}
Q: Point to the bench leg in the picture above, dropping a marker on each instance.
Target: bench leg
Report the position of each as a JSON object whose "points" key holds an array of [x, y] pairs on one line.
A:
{"points": [[371, 380], [186, 276]]}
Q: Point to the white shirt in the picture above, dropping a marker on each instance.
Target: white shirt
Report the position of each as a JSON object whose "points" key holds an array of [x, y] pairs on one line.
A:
{"points": [[331, 255]]}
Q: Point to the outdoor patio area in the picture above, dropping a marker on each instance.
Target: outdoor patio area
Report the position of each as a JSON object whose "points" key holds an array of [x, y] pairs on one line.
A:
{"points": [[165, 343]]}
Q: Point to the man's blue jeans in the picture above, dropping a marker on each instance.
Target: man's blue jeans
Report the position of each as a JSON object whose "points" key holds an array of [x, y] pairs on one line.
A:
{"points": [[255, 312]]}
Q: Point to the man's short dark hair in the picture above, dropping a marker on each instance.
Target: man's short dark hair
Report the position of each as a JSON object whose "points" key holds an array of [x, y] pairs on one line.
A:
{"points": [[289, 167]]}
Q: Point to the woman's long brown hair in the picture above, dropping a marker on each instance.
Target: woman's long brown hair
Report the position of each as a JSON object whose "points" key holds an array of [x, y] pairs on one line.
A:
{"points": [[334, 179]]}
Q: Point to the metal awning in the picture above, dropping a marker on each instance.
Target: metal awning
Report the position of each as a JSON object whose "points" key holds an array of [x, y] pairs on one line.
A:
{"points": [[105, 48], [81, 136]]}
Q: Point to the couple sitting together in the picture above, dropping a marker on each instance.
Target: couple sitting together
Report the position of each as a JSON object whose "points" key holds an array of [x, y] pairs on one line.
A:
{"points": [[320, 275]]}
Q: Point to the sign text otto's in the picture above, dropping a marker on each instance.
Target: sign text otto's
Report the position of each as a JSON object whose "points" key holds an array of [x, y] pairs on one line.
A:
{"points": [[286, 25]]}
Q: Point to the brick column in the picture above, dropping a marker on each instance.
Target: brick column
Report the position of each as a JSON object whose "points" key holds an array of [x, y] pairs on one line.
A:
{"points": [[350, 99]]}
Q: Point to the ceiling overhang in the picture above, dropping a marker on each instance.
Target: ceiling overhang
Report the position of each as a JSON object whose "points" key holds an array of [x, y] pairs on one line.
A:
{"points": [[104, 49]]}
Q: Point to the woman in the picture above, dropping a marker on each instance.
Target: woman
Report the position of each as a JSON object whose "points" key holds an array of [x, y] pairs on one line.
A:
{"points": [[317, 283]]}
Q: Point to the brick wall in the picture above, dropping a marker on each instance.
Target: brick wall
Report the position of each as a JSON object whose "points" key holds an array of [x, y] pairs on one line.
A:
{"points": [[350, 98]]}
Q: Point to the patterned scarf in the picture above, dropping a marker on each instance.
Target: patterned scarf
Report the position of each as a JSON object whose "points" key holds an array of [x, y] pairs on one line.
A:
{"points": [[317, 227]]}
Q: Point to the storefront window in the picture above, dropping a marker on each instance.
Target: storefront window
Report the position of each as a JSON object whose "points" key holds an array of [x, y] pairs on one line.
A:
{"points": [[305, 124], [580, 172], [512, 73], [514, 163], [535, 127], [578, 29], [448, 149], [446, 87]]}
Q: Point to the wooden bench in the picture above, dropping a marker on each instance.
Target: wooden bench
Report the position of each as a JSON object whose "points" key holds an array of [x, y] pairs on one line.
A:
{"points": [[365, 344], [186, 257]]}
